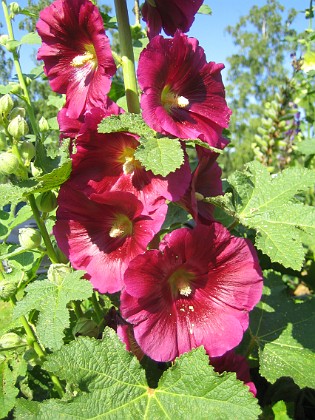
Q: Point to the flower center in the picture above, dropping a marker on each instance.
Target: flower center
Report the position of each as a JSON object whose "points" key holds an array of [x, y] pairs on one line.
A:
{"points": [[121, 227], [170, 99], [88, 57], [129, 163], [180, 282]]}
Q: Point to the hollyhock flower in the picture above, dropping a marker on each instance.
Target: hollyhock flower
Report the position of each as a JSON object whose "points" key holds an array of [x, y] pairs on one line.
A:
{"points": [[106, 162], [205, 182], [232, 362], [196, 290], [169, 15], [76, 53], [183, 95], [102, 234]]}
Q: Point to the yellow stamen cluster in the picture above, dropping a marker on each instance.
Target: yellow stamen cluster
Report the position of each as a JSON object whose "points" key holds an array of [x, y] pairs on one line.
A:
{"points": [[121, 227], [89, 56], [170, 99]]}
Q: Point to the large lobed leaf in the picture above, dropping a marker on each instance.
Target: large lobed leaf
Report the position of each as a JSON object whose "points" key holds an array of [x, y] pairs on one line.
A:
{"points": [[51, 299], [112, 385], [283, 331], [266, 203]]}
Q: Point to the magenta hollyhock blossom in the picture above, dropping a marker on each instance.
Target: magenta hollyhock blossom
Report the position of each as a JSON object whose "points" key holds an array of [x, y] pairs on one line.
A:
{"points": [[76, 53], [197, 289], [106, 162], [102, 234], [232, 362], [183, 95], [169, 15], [205, 182]]}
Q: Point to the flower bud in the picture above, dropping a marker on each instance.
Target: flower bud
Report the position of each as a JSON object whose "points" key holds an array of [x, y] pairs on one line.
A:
{"points": [[8, 288], [35, 171], [6, 104], [17, 111], [10, 340], [9, 163], [29, 238], [27, 151], [3, 141], [57, 272], [18, 127], [43, 125], [46, 201], [86, 327], [14, 9], [4, 39]]}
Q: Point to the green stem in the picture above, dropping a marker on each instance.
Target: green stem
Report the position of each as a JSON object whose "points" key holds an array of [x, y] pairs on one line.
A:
{"points": [[42, 227], [19, 73], [127, 57], [39, 351], [77, 309], [97, 307]]}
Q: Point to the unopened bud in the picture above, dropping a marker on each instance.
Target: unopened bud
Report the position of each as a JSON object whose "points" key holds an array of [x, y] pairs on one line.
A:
{"points": [[86, 327], [18, 127], [6, 104], [43, 125], [9, 163], [14, 8], [10, 340], [57, 272], [29, 238], [4, 39], [7, 289], [27, 151], [46, 201], [3, 141], [35, 171], [17, 111]]}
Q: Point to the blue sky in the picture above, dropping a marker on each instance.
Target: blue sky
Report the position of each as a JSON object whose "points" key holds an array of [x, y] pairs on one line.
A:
{"points": [[209, 30]]}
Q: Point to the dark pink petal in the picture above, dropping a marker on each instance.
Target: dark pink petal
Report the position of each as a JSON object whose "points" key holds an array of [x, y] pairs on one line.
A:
{"points": [[85, 232], [76, 53], [169, 15], [183, 95], [196, 290]]}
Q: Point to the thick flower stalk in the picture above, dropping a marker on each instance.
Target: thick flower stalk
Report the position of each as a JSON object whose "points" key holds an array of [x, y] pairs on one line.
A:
{"points": [[182, 94], [197, 289], [76, 53], [169, 15], [101, 235]]}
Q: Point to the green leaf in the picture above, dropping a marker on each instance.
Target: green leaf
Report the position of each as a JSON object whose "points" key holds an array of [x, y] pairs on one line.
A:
{"points": [[31, 38], [283, 331], [307, 147], [51, 300], [112, 384], [138, 46], [132, 123], [26, 410], [205, 10], [197, 142], [265, 203], [161, 156], [10, 370]]}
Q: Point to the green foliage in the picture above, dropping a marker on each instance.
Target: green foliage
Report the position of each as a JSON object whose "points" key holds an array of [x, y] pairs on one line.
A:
{"points": [[160, 155], [205, 10], [50, 298], [266, 204], [130, 123], [102, 387], [283, 332]]}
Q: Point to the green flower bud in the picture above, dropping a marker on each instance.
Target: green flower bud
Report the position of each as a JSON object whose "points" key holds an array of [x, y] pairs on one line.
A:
{"points": [[9, 163], [35, 171], [4, 39], [15, 88], [29, 238], [17, 111], [86, 327], [14, 9], [3, 141], [6, 104], [18, 127], [43, 125], [60, 255], [27, 151], [10, 340], [46, 201], [7, 289], [57, 272]]}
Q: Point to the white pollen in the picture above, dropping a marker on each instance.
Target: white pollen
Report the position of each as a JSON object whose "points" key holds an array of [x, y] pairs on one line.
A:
{"points": [[182, 102], [191, 308], [182, 309], [185, 291]]}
